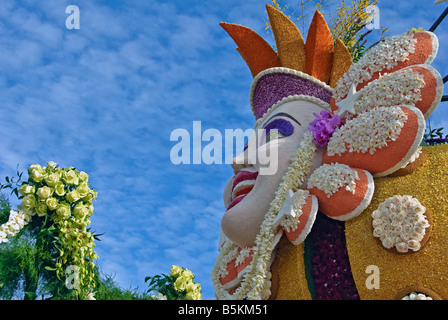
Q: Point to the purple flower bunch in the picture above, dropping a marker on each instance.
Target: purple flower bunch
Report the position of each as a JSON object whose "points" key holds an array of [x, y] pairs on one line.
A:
{"points": [[324, 126], [330, 264]]}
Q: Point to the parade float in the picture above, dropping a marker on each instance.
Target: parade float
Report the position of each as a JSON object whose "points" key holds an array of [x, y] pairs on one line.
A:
{"points": [[357, 206]]}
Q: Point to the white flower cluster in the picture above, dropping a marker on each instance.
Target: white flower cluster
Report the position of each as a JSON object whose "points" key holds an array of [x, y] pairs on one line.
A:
{"points": [[416, 296], [225, 259], [384, 56], [399, 88], [17, 220], [159, 296], [256, 281], [400, 222], [368, 132], [244, 254], [292, 222], [331, 177]]}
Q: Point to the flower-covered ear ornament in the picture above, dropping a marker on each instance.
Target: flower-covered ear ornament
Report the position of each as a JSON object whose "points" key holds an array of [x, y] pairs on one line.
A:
{"points": [[379, 109]]}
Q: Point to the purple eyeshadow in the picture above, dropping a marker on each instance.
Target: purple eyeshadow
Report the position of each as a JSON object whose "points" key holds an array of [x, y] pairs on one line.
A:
{"points": [[283, 126]]}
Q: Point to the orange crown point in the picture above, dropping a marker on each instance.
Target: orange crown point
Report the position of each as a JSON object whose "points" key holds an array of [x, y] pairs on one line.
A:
{"points": [[319, 49], [257, 53]]}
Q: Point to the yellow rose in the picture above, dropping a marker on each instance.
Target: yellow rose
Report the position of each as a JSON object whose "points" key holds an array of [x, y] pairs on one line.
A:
{"points": [[26, 189], [52, 165], [83, 190], [80, 211], [194, 295], [192, 286], [59, 189], [188, 275], [90, 210], [88, 198], [41, 209], [37, 174], [70, 177], [28, 203], [175, 271], [52, 179], [34, 166], [51, 203], [44, 192], [84, 177], [180, 284], [63, 210], [72, 196]]}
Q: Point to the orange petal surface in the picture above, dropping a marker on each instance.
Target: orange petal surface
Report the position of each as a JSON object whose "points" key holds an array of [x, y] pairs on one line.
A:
{"points": [[257, 53], [306, 221], [319, 49], [343, 204], [392, 157]]}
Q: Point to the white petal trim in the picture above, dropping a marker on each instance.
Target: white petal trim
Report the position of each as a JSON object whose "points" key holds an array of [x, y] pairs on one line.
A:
{"points": [[309, 224]]}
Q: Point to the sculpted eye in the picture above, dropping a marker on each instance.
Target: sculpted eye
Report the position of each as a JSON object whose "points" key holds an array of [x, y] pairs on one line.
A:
{"points": [[278, 128], [272, 135]]}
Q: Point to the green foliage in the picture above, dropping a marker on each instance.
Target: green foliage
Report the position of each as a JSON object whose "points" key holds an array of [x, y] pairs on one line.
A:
{"points": [[48, 235], [22, 263], [435, 137], [107, 289], [164, 284]]}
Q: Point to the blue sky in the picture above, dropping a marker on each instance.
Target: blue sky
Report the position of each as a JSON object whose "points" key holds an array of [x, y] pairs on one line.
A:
{"points": [[105, 98]]}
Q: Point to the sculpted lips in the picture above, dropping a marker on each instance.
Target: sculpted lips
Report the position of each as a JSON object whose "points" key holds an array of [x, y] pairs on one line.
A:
{"points": [[242, 184]]}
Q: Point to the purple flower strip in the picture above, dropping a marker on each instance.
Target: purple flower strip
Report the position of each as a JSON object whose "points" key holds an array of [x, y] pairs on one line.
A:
{"points": [[273, 87], [330, 265]]}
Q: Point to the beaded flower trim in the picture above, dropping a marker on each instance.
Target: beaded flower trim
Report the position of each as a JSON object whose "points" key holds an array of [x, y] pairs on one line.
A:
{"points": [[291, 223], [368, 132], [385, 55], [331, 177], [399, 88]]}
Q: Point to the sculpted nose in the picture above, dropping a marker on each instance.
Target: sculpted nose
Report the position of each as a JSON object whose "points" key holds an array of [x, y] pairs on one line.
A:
{"points": [[240, 161]]}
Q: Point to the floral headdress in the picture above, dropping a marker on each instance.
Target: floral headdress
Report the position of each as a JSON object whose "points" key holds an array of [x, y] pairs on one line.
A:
{"points": [[372, 125]]}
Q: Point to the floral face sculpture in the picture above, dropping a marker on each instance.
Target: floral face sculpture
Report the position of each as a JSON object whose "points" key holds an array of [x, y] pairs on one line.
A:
{"points": [[338, 125]]}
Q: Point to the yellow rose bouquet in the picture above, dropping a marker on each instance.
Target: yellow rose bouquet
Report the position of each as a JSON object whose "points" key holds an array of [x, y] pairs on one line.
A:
{"points": [[56, 206], [179, 285]]}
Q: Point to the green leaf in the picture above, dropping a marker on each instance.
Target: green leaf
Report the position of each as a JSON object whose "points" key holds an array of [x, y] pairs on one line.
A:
{"points": [[50, 268], [30, 295]]}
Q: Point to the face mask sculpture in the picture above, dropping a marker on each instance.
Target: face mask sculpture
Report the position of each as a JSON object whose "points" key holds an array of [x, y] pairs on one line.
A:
{"points": [[336, 127]]}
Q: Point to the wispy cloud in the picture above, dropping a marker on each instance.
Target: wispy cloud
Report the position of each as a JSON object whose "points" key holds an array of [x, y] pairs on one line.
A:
{"points": [[105, 98]]}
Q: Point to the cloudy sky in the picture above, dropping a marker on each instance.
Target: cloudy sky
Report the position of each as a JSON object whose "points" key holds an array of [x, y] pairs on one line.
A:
{"points": [[106, 97]]}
